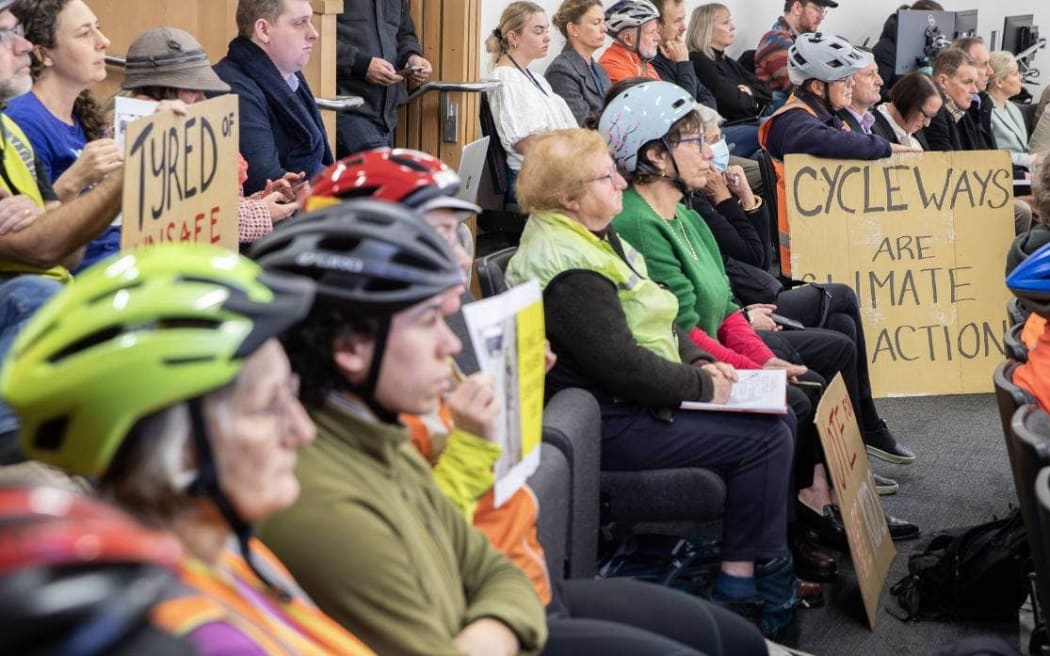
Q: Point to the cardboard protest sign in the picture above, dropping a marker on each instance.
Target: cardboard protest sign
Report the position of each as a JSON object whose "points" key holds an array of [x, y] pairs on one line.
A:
{"points": [[508, 336], [921, 239], [180, 177], [870, 546]]}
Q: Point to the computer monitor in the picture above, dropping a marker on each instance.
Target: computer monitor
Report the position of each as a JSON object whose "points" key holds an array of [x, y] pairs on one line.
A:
{"points": [[921, 35], [966, 23], [1017, 33]]}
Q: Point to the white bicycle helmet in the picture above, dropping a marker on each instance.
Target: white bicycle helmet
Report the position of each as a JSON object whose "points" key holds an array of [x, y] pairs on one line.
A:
{"points": [[824, 57], [629, 13]]}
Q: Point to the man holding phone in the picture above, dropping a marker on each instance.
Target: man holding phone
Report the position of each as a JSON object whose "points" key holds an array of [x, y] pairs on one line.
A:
{"points": [[377, 55]]}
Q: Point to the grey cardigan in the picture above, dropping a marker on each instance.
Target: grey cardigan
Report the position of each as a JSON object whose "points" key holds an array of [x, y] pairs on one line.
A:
{"points": [[570, 77]]}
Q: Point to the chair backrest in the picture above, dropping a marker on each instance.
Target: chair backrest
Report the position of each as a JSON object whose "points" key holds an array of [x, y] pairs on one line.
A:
{"points": [[491, 268], [1030, 430], [1016, 312], [1009, 397], [1015, 347], [1042, 495], [552, 485], [769, 198], [496, 158]]}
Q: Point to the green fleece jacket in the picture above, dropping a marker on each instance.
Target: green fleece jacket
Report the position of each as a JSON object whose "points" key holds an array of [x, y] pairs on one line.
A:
{"points": [[377, 546], [682, 255]]}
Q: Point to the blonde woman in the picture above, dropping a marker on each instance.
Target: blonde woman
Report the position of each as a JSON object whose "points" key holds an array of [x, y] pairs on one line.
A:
{"points": [[1008, 124], [525, 105]]}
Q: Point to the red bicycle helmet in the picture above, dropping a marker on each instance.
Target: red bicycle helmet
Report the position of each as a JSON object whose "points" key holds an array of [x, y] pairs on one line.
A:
{"points": [[400, 175]]}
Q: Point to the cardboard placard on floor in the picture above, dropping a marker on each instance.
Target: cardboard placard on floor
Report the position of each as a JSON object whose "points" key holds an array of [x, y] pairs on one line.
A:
{"points": [[870, 546], [922, 240], [180, 177]]}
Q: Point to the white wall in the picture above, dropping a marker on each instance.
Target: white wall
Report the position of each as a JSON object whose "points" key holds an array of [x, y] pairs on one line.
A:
{"points": [[856, 20]]}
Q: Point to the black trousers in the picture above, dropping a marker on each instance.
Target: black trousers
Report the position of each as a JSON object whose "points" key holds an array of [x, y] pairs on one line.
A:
{"points": [[837, 305], [751, 452], [632, 618]]}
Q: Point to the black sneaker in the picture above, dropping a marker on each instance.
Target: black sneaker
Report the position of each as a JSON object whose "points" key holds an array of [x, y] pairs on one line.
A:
{"points": [[881, 444]]}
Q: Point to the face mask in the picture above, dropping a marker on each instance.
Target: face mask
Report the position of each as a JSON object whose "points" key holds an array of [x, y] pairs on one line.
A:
{"points": [[721, 158]]}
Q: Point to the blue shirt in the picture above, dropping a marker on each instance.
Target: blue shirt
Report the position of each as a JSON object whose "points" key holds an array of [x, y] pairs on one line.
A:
{"points": [[56, 143]]}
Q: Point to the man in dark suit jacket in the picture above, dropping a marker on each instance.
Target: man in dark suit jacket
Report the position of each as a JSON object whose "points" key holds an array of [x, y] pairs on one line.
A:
{"points": [[954, 128]]}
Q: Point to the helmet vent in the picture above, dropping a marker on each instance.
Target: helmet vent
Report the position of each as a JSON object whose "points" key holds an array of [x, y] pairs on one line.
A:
{"points": [[51, 434], [85, 343], [108, 294]]}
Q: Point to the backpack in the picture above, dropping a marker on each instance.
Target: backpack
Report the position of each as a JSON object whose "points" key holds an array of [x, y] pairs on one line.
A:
{"points": [[971, 573]]}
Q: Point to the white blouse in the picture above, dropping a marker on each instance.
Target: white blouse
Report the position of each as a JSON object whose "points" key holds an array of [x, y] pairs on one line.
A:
{"points": [[521, 109], [903, 138]]}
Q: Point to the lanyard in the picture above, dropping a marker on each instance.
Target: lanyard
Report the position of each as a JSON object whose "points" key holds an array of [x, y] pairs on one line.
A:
{"points": [[527, 73]]}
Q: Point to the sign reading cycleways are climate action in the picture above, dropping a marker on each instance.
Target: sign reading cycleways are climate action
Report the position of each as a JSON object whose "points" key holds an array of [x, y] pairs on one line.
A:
{"points": [[922, 240], [180, 177]]}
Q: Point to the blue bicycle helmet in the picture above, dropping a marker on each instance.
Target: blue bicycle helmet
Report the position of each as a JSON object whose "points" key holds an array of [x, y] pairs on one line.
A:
{"points": [[1030, 282], [640, 114]]}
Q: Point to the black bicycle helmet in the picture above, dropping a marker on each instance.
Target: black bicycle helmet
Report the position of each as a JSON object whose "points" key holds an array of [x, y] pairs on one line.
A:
{"points": [[376, 257]]}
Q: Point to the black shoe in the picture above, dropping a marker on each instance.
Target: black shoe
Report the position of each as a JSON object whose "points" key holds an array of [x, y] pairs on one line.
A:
{"points": [[827, 524], [811, 564], [885, 486], [900, 529], [881, 444]]}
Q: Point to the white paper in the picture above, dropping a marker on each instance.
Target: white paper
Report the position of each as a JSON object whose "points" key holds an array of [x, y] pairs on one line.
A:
{"points": [[126, 111], [492, 324], [756, 390]]}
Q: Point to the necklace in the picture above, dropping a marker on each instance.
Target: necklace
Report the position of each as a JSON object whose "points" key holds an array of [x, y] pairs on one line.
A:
{"points": [[681, 228], [527, 73]]}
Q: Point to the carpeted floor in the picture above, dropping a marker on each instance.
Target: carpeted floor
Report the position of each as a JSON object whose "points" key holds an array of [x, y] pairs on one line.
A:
{"points": [[960, 477]]}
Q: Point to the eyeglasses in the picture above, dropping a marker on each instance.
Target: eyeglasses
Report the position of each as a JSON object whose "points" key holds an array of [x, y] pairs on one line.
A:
{"points": [[926, 118], [8, 35], [608, 177], [698, 140], [282, 408]]}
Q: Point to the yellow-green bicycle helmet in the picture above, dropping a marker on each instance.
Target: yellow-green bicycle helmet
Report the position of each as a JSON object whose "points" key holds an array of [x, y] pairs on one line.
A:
{"points": [[134, 334]]}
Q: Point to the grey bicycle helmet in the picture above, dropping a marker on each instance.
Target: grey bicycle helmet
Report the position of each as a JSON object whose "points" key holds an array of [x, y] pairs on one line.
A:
{"points": [[824, 57], [629, 13]]}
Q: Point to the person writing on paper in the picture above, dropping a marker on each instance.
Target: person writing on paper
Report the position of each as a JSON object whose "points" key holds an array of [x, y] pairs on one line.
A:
{"points": [[658, 138], [64, 124], [169, 65], [459, 440], [372, 540], [614, 332]]}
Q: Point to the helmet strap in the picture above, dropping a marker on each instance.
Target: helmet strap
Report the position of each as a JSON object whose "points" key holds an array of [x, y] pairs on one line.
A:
{"points": [[207, 485], [367, 391], [675, 179]]}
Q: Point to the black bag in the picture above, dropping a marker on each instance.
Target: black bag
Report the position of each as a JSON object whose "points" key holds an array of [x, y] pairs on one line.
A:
{"points": [[971, 573], [751, 284]]}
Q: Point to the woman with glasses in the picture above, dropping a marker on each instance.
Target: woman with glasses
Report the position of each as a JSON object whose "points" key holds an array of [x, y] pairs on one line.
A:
{"points": [[913, 102], [613, 330], [159, 376], [64, 124]]}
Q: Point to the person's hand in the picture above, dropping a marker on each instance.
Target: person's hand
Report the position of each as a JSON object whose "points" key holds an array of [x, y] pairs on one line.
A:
{"points": [[897, 148], [487, 637], [736, 181], [17, 213], [98, 159], [716, 189], [279, 206], [1034, 161], [793, 370], [549, 358], [421, 69], [675, 50], [723, 375], [745, 89], [172, 105], [758, 315], [382, 72], [286, 185], [475, 407]]}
